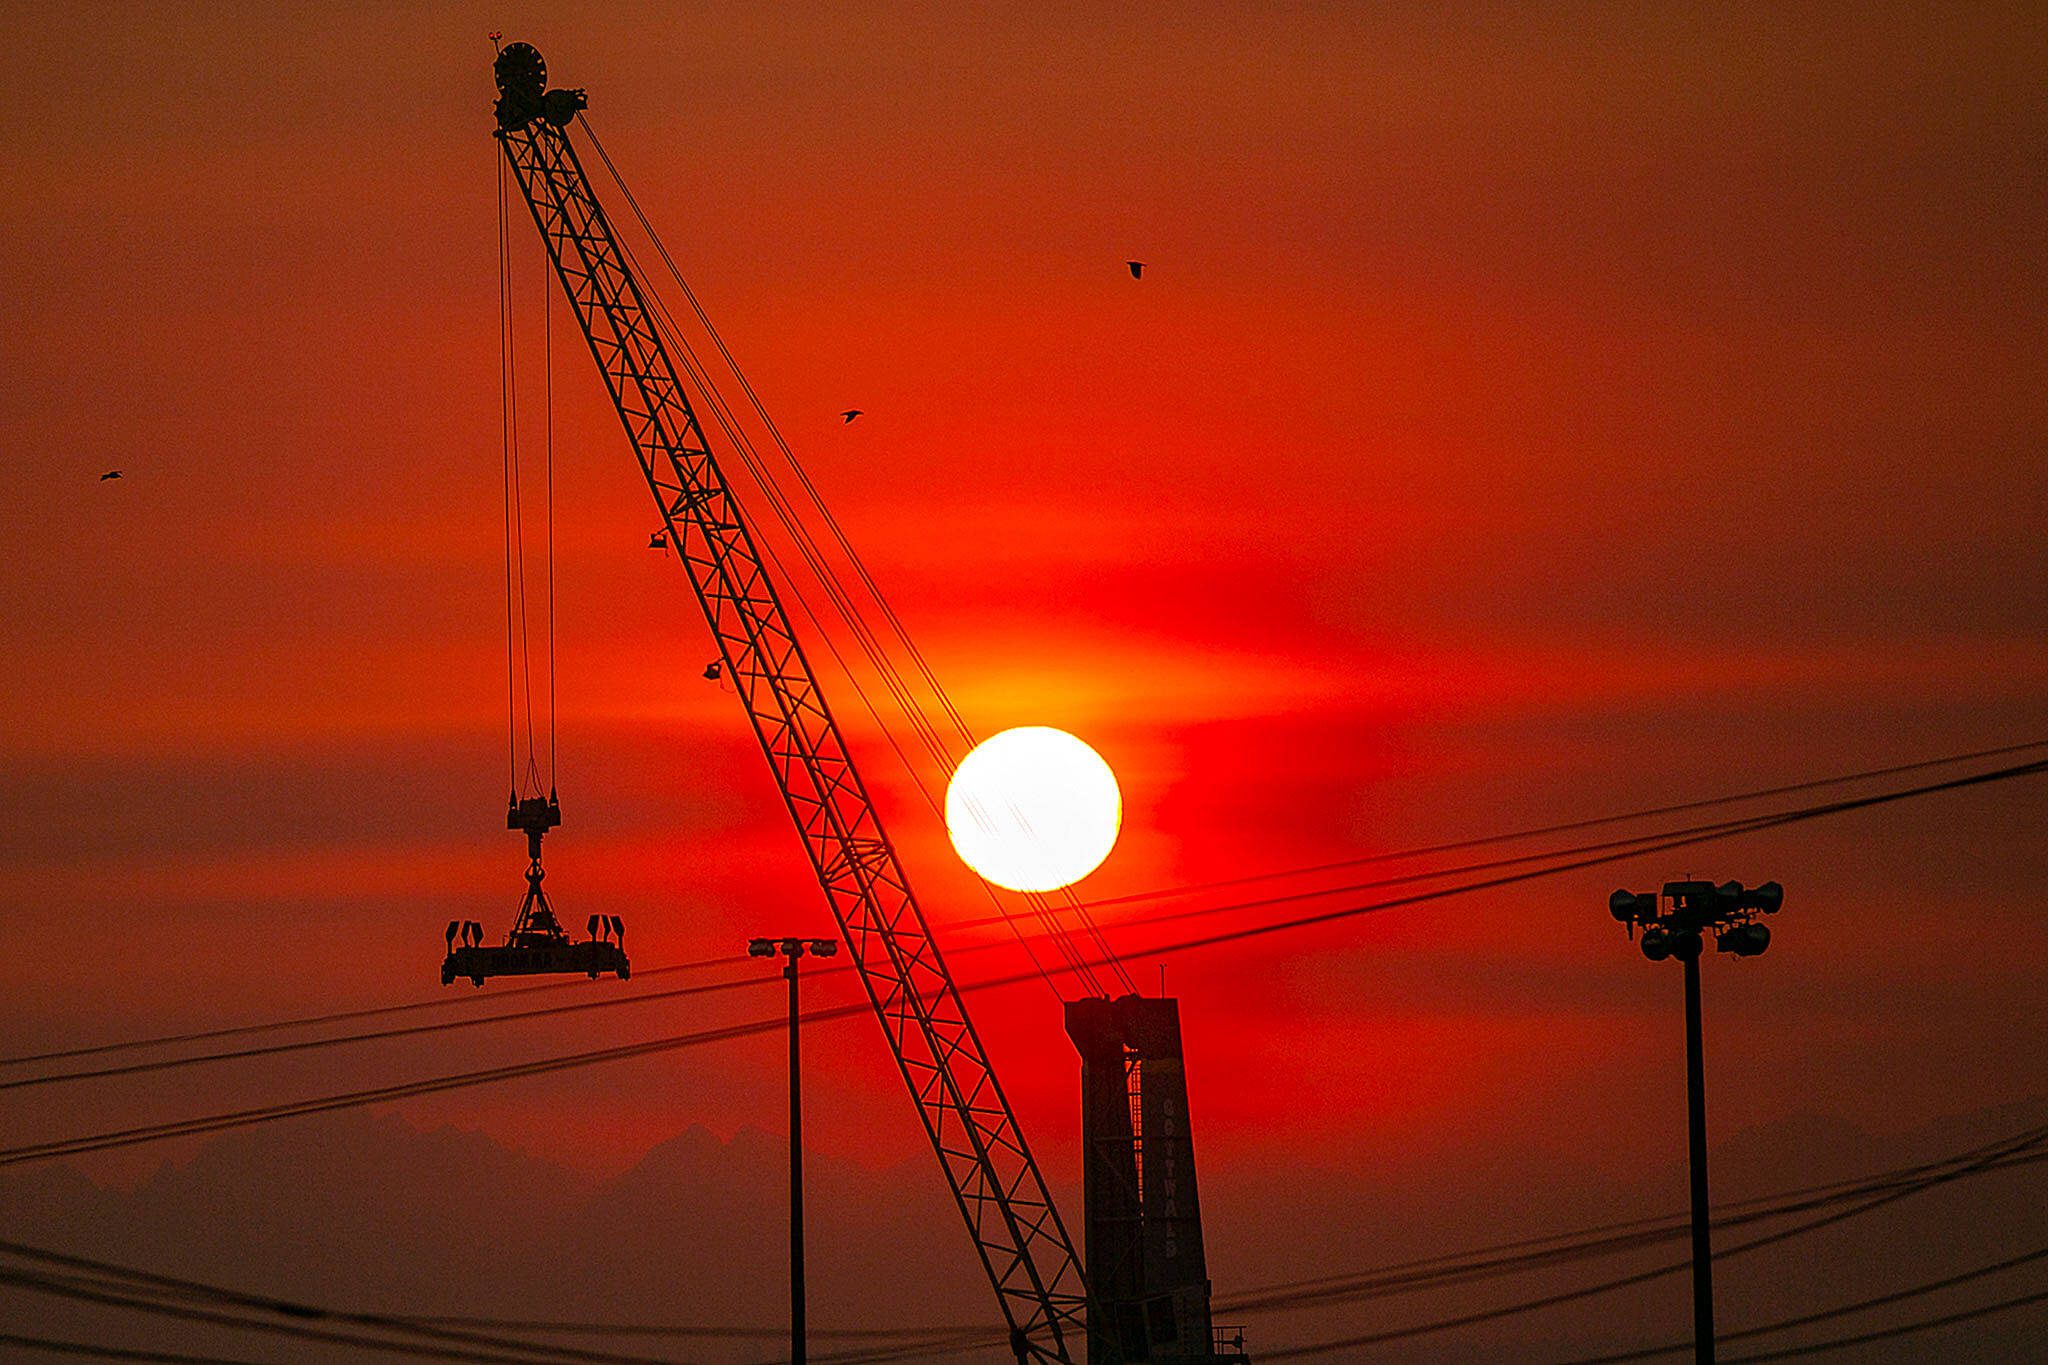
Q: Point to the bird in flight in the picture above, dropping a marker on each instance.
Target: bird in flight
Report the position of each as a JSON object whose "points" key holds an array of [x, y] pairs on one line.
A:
{"points": [[1137, 269], [849, 415], [110, 474]]}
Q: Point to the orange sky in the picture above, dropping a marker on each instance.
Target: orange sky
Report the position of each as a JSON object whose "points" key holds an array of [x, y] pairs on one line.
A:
{"points": [[1523, 416]]}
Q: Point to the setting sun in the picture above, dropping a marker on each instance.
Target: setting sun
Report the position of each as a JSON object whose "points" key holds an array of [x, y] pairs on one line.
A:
{"points": [[1033, 809]]}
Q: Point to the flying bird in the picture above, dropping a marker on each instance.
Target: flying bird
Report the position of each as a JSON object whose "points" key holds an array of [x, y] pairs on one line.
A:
{"points": [[849, 415], [110, 474], [1137, 269]]}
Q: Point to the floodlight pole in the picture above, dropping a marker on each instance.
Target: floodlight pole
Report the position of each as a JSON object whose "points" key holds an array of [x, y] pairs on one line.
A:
{"points": [[793, 950], [1696, 909], [1696, 1124]]}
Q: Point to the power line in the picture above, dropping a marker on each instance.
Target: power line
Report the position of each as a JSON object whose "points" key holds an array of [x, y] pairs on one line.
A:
{"points": [[1452, 1269], [509, 1352], [156, 1132], [344, 1016], [750, 980], [446, 1001], [1990, 1156], [1887, 1333], [1481, 841], [1757, 825], [174, 1063], [53, 1346], [1823, 1315], [446, 1025], [1491, 1263], [2020, 1148]]}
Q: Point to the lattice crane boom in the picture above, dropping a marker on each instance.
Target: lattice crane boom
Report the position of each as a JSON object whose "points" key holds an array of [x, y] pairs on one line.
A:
{"points": [[1017, 1231]]}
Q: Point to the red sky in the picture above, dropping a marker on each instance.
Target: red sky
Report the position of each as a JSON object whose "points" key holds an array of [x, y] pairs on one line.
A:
{"points": [[1523, 416]]}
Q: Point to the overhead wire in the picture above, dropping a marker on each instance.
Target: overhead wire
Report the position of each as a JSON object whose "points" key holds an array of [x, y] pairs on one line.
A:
{"points": [[484, 1350], [915, 1342], [215, 1123], [1757, 825], [344, 1016], [1438, 874], [753, 980], [97, 1351], [380, 1035], [2023, 1149], [1826, 1314], [1890, 1333], [75, 1269], [740, 959], [1515, 836], [1984, 1158], [1439, 1272], [1552, 1250], [155, 1132]]}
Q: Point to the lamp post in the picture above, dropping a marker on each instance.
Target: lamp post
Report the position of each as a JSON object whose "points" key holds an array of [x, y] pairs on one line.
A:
{"points": [[1675, 925], [793, 949]]}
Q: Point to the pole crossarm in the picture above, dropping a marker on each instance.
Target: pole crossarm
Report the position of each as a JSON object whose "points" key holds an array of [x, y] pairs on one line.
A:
{"points": [[1000, 1191]]}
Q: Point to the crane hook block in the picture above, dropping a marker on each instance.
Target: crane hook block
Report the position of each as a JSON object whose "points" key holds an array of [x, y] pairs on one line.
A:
{"points": [[523, 95]]}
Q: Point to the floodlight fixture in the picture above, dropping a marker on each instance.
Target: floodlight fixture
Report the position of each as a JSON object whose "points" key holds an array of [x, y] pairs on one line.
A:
{"points": [[1676, 923], [1745, 940], [1631, 907]]}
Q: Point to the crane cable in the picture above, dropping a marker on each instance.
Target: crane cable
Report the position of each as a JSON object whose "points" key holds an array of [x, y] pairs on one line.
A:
{"points": [[859, 565], [508, 429], [791, 521], [519, 647], [941, 751], [849, 612], [547, 332], [786, 517]]}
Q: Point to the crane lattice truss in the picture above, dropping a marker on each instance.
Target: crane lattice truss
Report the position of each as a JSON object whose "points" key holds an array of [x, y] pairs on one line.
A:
{"points": [[1024, 1246]]}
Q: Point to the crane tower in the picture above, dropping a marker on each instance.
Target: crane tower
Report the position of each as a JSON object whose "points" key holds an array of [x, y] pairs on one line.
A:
{"points": [[1151, 1302]]}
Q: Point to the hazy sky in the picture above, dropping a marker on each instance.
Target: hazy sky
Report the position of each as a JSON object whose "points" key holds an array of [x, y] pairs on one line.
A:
{"points": [[1526, 413]]}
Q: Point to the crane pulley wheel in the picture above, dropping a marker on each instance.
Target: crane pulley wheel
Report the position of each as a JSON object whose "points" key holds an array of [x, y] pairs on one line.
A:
{"points": [[522, 76]]}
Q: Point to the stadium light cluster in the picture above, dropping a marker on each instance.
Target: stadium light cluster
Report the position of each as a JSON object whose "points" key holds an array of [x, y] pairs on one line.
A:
{"points": [[1675, 921]]}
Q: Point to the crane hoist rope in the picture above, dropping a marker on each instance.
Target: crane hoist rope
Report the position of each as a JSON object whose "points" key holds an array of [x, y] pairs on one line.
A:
{"points": [[538, 944], [1146, 1292], [1081, 963], [1018, 1235], [527, 777]]}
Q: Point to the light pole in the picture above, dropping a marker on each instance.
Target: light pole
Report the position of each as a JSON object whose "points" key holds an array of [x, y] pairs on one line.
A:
{"points": [[1675, 925], [793, 949]]}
